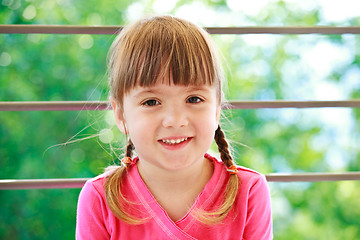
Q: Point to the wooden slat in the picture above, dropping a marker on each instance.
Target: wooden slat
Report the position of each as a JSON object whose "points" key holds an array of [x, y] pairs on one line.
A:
{"points": [[104, 105], [73, 29], [79, 182]]}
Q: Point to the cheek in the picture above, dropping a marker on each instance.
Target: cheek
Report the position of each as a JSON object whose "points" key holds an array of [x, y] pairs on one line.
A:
{"points": [[208, 123], [142, 137], [139, 128]]}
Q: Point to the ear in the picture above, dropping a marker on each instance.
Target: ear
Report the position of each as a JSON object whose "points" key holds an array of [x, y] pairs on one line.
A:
{"points": [[118, 115]]}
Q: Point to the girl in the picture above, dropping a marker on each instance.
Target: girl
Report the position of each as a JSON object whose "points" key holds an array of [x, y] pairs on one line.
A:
{"points": [[165, 81]]}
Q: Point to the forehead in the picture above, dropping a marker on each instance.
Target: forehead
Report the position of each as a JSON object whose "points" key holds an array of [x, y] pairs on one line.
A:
{"points": [[168, 89], [167, 77]]}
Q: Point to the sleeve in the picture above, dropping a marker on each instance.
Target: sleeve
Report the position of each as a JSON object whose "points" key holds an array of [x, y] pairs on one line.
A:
{"points": [[259, 220], [91, 215]]}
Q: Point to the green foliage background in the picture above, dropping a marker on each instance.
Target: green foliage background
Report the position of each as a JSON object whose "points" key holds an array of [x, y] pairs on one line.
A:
{"points": [[38, 67]]}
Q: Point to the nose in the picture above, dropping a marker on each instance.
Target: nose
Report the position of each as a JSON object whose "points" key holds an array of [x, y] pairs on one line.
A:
{"points": [[175, 117]]}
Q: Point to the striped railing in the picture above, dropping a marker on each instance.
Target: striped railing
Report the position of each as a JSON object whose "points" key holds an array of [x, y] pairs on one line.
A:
{"points": [[103, 105]]}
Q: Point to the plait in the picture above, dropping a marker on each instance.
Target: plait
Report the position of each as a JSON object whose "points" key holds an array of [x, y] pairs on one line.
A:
{"points": [[223, 147], [129, 149]]}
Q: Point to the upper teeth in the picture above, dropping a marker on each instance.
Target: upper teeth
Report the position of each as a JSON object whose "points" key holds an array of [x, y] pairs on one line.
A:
{"points": [[174, 141]]}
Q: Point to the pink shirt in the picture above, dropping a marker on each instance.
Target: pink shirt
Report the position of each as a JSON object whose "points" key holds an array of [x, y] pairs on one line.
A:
{"points": [[250, 217]]}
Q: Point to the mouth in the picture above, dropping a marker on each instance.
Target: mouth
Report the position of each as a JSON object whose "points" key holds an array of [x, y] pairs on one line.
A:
{"points": [[174, 141]]}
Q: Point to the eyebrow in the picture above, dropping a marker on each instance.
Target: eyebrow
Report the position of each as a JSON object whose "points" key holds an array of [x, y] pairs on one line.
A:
{"points": [[198, 88], [147, 91]]}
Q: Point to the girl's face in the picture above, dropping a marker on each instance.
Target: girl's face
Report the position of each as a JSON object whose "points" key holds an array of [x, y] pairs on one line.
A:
{"points": [[171, 126]]}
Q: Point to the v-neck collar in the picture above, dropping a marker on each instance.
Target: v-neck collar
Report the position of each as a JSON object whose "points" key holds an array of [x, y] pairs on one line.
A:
{"points": [[180, 228]]}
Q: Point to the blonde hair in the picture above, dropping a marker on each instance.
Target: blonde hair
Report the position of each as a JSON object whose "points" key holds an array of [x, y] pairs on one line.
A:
{"points": [[145, 51]]}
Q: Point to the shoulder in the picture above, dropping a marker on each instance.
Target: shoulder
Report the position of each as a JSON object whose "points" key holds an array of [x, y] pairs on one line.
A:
{"points": [[93, 190], [251, 181], [94, 187], [245, 174], [96, 184], [250, 174], [253, 185]]}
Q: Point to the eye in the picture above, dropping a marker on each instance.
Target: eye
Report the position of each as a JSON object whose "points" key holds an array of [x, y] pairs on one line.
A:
{"points": [[151, 102], [194, 100]]}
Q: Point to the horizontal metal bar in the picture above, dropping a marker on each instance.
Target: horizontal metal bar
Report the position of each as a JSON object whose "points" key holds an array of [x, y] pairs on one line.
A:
{"points": [[313, 177], [76, 29], [285, 30], [54, 106], [104, 105], [354, 103], [58, 29], [42, 183], [79, 182]]}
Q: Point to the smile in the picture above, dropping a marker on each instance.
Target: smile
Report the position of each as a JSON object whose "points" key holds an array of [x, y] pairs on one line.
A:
{"points": [[174, 141]]}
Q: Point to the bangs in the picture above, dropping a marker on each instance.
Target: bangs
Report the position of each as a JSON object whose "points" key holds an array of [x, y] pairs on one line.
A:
{"points": [[177, 52]]}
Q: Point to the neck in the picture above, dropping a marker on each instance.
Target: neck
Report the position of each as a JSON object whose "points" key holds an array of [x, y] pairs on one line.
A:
{"points": [[193, 177]]}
